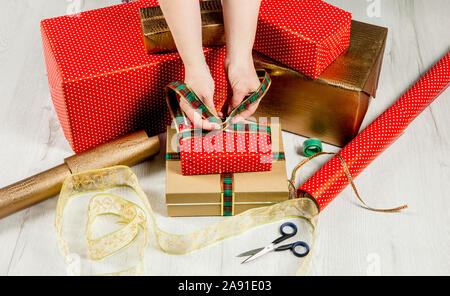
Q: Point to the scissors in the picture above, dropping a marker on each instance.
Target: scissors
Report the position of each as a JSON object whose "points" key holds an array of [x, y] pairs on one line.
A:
{"points": [[287, 230]]}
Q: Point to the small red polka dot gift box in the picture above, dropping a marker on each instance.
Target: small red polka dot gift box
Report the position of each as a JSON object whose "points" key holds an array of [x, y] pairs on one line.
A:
{"points": [[103, 83], [244, 146], [305, 35]]}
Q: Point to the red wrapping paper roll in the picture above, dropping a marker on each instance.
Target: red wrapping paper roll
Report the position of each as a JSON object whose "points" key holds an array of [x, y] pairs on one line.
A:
{"points": [[331, 179]]}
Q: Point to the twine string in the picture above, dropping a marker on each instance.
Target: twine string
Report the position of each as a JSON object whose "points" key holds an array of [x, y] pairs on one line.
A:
{"points": [[294, 193]]}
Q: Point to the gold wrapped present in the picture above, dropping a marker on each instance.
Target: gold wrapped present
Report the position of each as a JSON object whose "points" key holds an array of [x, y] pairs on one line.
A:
{"points": [[331, 107]]}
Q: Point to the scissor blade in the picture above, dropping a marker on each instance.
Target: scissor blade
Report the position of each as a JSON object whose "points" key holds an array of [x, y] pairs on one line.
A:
{"points": [[249, 253], [264, 251]]}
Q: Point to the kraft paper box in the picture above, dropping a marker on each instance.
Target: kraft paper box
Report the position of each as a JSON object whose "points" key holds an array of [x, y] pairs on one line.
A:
{"points": [[103, 84], [201, 195], [331, 107]]}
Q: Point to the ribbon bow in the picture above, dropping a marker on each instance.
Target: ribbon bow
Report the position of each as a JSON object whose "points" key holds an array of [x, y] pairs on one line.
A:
{"points": [[180, 91], [248, 144]]}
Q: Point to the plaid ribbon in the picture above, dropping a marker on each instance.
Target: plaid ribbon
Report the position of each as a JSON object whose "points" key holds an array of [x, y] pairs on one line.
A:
{"points": [[180, 91], [237, 128], [278, 156], [226, 183], [177, 156], [173, 156], [227, 194]]}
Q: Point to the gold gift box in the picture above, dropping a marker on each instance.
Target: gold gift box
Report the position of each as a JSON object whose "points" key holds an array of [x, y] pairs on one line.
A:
{"points": [[202, 195], [331, 107], [156, 32]]}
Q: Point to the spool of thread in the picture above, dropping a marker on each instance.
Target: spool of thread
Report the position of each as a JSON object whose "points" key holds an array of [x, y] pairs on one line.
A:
{"points": [[312, 147]]}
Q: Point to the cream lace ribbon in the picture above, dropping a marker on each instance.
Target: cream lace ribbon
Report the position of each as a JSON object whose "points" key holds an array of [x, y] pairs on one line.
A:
{"points": [[103, 218]]}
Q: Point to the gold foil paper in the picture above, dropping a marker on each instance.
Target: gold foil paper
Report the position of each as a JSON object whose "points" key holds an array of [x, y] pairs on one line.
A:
{"points": [[128, 150], [158, 38]]}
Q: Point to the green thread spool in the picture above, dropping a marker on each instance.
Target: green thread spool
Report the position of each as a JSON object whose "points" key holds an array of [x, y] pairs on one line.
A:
{"points": [[312, 147]]}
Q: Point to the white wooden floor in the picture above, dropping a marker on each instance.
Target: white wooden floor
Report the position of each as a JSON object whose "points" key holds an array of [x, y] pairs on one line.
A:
{"points": [[351, 241]]}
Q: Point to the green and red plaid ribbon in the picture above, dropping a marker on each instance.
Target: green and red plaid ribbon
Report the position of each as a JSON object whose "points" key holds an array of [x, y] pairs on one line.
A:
{"points": [[227, 195], [242, 128], [180, 91]]}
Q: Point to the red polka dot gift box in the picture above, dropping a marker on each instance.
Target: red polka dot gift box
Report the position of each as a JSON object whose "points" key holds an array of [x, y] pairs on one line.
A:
{"points": [[305, 35], [235, 151], [103, 83]]}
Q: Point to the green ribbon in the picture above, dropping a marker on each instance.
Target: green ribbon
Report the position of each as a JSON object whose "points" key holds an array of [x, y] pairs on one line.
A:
{"points": [[312, 147]]}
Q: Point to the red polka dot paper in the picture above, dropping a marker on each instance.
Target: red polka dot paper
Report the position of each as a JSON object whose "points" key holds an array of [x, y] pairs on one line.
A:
{"points": [[102, 82], [306, 35], [225, 153], [330, 180]]}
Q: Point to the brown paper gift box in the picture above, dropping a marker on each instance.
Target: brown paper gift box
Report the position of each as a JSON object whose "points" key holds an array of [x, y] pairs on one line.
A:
{"points": [[331, 107], [201, 195]]}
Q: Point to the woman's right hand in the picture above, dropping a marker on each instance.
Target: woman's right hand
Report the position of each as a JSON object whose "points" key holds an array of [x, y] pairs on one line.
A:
{"points": [[200, 81]]}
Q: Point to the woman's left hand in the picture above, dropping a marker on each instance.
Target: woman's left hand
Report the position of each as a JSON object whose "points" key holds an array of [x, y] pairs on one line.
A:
{"points": [[244, 81]]}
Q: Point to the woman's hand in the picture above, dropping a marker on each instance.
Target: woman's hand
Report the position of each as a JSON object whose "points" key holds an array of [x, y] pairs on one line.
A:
{"points": [[202, 84], [183, 18], [240, 18], [244, 81]]}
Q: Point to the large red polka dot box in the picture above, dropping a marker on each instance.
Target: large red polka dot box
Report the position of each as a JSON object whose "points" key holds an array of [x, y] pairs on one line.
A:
{"points": [[102, 82], [306, 35]]}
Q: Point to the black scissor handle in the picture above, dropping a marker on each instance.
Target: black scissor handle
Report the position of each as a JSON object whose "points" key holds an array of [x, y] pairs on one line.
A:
{"points": [[285, 233], [293, 247], [300, 244]]}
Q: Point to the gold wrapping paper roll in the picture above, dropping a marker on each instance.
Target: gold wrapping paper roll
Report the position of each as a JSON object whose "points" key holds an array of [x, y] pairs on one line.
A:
{"points": [[32, 190], [128, 150]]}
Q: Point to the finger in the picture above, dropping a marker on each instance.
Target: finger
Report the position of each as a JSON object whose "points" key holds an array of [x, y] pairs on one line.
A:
{"points": [[192, 114], [209, 102], [236, 100], [196, 119], [208, 125], [245, 114]]}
